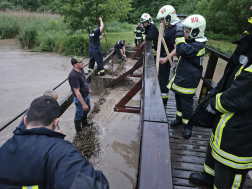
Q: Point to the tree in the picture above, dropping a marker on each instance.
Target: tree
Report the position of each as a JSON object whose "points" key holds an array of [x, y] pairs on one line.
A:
{"points": [[84, 14]]}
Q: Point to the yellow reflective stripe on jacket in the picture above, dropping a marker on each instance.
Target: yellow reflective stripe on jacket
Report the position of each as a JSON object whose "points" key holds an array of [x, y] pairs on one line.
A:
{"points": [[209, 170], [30, 187], [90, 69], [144, 37], [238, 72], [214, 187], [183, 90], [249, 69], [201, 52], [185, 121], [101, 71], [250, 20], [219, 130], [172, 79], [138, 37], [154, 52], [180, 40], [231, 163], [237, 181], [218, 105], [179, 113]]}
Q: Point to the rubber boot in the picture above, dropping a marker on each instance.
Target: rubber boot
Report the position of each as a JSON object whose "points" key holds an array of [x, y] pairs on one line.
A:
{"points": [[187, 133], [165, 102], [84, 122], [78, 128], [176, 123], [202, 178]]}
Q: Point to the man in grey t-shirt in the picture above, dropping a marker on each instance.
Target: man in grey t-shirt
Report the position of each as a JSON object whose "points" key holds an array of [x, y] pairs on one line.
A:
{"points": [[81, 91]]}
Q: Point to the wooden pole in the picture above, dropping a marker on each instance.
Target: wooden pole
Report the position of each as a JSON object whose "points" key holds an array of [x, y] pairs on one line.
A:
{"points": [[108, 49], [159, 46], [167, 51]]}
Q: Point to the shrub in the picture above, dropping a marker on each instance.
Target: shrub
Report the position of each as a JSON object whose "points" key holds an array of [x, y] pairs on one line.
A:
{"points": [[27, 36], [76, 45], [5, 5], [8, 28], [47, 42]]}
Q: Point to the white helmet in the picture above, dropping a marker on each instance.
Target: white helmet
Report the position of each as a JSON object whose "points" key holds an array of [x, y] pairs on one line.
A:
{"points": [[168, 13], [197, 23], [146, 17]]}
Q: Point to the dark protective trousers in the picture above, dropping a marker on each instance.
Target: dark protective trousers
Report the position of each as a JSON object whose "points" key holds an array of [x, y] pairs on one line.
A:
{"points": [[225, 177], [184, 109], [95, 54], [120, 56], [137, 41], [163, 78]]}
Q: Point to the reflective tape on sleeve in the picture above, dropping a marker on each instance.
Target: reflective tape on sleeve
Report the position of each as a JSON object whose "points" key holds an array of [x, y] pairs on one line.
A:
{"points": [[180, 40], [218, 105], [201, 52]]}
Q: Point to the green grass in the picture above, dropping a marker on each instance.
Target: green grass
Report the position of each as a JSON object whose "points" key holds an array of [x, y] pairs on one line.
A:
{"points": [[224, 46]]}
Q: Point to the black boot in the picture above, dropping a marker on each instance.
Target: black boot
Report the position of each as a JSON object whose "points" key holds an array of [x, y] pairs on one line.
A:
{"points": [[202, 178], [78, 128], [84, 122], [187, 133], [176, 123], [102, 74], [165, 102]]}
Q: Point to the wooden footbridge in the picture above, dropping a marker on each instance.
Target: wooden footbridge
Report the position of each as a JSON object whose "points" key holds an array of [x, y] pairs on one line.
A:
{"points": [[165, 159]]}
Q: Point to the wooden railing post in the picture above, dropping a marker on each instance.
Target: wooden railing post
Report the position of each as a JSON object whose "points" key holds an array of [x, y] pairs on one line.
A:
{"points": [[211, 65]]}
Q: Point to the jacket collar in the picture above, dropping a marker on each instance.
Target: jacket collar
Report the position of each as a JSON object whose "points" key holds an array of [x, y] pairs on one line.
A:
{"points": [[38, 131]]}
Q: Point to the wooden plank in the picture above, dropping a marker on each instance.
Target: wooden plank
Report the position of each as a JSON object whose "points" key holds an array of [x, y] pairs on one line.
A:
{"points": [[186, 182], [187, 159], [189, 141], [194, 137], [188, 147], [66, 102], [190, 153], [155, 164], [153, 104], [160, 35], [187, 166], [195, 132], [182, 187]]}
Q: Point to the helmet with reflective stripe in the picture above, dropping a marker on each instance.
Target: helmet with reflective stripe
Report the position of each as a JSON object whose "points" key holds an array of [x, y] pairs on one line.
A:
{"points": [[145, 17], [168, 13], [197, 23]]}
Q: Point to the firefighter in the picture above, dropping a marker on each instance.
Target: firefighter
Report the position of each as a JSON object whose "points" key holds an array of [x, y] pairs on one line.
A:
{"points": [[190, 46], [95, 52], [168, 17], [120, 49], [139, 31], [228, 109], [151, 31]]}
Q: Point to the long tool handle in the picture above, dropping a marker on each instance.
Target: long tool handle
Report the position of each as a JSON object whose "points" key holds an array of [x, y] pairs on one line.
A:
{"points": [[108, 48], [159, 46], [167, 52]]}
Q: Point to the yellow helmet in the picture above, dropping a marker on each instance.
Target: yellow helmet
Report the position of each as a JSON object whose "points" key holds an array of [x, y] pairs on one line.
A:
{"points": [[197, 23], [168, 13]]}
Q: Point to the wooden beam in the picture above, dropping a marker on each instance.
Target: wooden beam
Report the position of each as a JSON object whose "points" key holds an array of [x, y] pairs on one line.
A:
{"points": [[159, 46]]}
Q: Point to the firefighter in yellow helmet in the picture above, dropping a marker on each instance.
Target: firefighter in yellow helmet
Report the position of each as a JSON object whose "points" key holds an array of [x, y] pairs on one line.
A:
{"points": [[190, 46], [168, 17]]}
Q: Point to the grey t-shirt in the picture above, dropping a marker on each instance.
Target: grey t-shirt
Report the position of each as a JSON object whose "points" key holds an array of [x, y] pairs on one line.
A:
{"points": [[78, 80]]}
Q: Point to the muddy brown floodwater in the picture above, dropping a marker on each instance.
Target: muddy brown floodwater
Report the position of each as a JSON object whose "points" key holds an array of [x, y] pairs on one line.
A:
{"points": [[26, 75]]}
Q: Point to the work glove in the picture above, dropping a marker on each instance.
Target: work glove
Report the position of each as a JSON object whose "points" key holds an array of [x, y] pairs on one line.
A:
{"points": [[210, 109], [179, 30]]}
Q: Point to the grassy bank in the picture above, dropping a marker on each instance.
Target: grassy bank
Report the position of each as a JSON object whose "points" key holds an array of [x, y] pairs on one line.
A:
{"points": [[47, 32]]}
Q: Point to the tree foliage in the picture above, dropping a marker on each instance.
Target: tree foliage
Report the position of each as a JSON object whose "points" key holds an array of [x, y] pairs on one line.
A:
{"points": [[84, 14]]}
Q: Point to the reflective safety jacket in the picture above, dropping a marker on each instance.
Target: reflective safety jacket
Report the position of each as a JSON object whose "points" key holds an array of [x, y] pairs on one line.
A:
{"points": [[189, 68], [151, 33], [139, 31], [231, 138], [40, 158]]}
